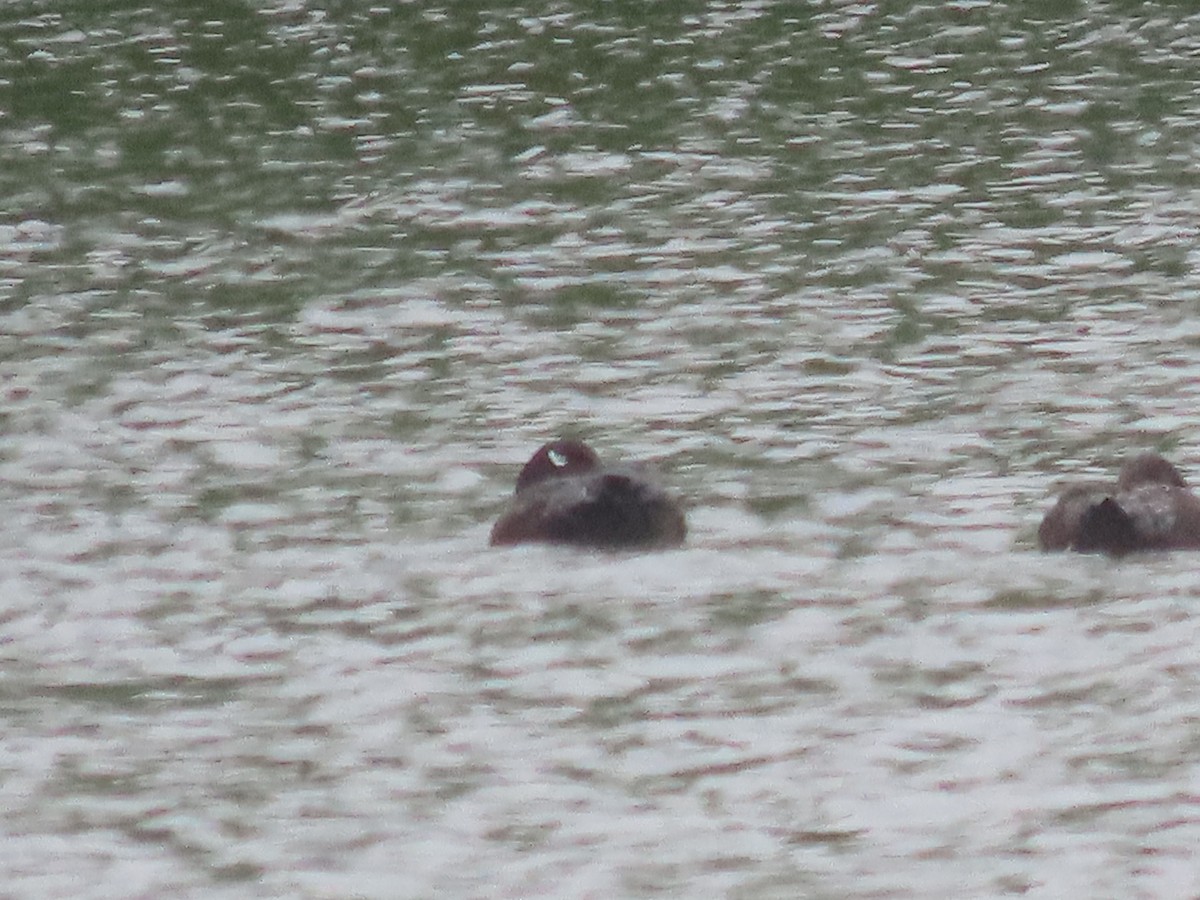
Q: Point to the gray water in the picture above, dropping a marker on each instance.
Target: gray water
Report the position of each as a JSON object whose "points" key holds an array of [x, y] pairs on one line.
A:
{"points": [[287, 296]]}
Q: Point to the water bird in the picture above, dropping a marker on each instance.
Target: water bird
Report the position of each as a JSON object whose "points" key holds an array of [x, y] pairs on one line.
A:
{"points": [[565, 495], [1151, 508]]}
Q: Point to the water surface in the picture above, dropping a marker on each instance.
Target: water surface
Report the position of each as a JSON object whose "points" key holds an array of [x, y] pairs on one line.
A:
{"points": [[287, 296]]}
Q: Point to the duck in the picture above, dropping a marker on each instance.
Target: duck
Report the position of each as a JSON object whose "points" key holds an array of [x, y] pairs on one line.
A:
{"points": [[566, 495], [1150, 508]]}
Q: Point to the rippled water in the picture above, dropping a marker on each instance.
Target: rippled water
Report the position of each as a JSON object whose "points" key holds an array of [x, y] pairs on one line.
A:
{"points": [[287, 296]]}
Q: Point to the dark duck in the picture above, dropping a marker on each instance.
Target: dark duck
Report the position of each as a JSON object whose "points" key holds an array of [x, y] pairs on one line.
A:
{"points": [[1150, 508], [565, 495]]}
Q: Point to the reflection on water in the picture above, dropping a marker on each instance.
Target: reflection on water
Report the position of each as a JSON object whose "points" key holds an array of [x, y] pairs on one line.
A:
{"points": [[289, 295]]}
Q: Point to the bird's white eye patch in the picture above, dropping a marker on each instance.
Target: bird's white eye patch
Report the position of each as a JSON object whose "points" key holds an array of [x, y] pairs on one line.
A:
{"points": [[559, 459]]}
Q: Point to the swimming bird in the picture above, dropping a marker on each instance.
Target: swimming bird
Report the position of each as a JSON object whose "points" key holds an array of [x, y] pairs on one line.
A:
{"points": [[1151, 508], [565, 495]]}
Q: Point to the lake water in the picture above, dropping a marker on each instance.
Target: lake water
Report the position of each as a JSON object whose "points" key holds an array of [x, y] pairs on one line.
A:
{"points": [[287, 296]]}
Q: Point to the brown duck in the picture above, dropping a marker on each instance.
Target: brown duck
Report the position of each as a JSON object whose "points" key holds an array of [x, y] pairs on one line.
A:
{"points": [[1151, 508], [565, 495]]}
